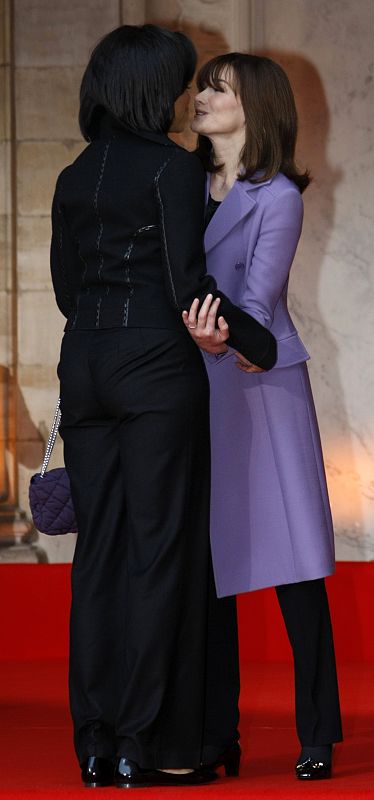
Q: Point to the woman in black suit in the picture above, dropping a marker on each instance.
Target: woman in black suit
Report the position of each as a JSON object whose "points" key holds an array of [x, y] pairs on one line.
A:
{"points": [[126, 259]]}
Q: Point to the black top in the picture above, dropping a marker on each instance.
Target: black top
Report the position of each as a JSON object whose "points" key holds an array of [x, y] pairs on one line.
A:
{"points": [[210, 209], [127, 240]]}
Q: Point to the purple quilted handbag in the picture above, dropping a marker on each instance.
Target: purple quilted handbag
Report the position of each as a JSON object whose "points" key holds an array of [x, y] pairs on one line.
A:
{"points": [[49, 493]]}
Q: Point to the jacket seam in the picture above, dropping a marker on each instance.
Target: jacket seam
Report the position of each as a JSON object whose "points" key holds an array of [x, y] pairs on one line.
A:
{"points": [[128, 282], [60, 248], [163, 232], [100, 226]]}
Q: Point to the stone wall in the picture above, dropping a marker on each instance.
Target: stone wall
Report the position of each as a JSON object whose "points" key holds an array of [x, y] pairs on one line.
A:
{"points": [[52, 43], [6, 350], [51, 48], [326, 48]]}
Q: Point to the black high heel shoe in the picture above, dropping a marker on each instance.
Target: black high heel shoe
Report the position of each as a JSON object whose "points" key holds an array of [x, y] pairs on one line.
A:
{"points": [[128, 775], [97, 772], [229, 759]]}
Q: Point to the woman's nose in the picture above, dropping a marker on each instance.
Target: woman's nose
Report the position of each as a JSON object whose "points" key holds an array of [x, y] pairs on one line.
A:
{"points": [[201, 97]]}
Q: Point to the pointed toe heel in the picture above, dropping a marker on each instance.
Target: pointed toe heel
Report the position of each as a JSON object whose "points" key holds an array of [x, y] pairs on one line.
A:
{"points": [[229, 760], [129, 775]]}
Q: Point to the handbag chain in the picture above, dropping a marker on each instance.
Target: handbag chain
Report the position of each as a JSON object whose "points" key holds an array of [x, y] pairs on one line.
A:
{"points": [[51, 439]]}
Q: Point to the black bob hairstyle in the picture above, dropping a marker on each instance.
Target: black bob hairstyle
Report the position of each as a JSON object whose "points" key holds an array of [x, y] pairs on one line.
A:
{"points": [[136, 74]]}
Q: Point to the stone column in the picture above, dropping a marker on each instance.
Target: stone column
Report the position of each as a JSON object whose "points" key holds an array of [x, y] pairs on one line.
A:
{"points": [[17, 534], [52, 43], [133, 12], [327, 51], [215, 26], [52, 46]]}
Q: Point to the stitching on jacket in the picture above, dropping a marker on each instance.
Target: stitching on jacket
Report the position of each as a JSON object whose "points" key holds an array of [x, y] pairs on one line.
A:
{"points": [[163, 232], [99, 219], [98, 305], [73, 324], [125, 318], [60, 246], [126, 258], [83, 280], [129, 250]]}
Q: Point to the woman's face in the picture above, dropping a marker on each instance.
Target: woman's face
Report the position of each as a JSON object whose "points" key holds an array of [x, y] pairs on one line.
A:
{"points": [[181, 109], [218, 110]]}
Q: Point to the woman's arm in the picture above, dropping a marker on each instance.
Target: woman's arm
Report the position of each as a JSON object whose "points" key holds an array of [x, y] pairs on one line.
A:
{"points": [[62, 256], [201, 325], [180, 190], [268, 272], [273, 256]]}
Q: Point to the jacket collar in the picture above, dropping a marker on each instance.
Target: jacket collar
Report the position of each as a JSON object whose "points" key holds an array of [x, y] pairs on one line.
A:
{"points": [[109, 127], [238, 203], [155, 136]]}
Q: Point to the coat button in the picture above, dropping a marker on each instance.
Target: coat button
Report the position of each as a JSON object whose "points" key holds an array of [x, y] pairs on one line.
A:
{"points": [[239, 265]]}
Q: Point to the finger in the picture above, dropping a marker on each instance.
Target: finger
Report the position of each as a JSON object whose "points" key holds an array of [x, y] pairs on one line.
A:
{"points": [[209, 321], [223, 329], [243, 368], [212, 311], [192, 314], [243, 360], [204, 310], [190, 327]]}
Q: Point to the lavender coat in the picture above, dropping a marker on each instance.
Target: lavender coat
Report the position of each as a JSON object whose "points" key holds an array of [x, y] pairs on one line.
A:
{"points": [[270, 514]]}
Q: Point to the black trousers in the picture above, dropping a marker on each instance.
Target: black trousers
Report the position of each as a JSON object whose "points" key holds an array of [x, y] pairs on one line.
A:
{"points": [[144, 678], [306, 615]]}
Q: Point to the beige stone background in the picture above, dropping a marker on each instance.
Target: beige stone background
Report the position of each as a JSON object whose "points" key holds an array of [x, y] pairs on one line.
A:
{"points": [[326, 48]]}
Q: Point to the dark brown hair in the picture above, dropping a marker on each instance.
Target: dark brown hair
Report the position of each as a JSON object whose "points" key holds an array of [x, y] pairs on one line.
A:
{"points": [[270, 115]]}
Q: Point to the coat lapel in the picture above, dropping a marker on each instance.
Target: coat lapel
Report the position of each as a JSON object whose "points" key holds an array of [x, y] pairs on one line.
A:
{"points": [[238, 203]]}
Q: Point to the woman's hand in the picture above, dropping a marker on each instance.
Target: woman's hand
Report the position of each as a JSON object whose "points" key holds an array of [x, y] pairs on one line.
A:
{"points": [[245, 365], [202, 326]]}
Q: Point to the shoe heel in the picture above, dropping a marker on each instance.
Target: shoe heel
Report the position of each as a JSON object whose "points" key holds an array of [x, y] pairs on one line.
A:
{"points": [[231, 762]]}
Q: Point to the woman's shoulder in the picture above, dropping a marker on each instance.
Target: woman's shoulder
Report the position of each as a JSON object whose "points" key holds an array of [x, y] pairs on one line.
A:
{"points": [[68, 172], [188, 158], [276, 198], [279, 184], [184, 165], [275, 186], [276, 191]]}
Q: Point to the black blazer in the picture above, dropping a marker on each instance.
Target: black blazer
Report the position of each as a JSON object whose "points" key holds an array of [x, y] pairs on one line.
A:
{"points": [[127, 240]]}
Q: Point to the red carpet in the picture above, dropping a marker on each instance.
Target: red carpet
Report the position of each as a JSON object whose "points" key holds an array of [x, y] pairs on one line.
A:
{"points": [[36, 754]]}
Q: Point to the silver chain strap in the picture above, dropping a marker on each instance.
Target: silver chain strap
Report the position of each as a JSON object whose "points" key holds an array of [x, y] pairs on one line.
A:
{"points": [[51, 439]]}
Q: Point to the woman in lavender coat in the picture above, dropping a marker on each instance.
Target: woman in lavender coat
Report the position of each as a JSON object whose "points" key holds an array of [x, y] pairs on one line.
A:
{"points": [[270, 515]]}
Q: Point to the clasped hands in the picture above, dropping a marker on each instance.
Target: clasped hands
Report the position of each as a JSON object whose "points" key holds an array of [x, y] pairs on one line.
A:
{"points": [[202, 327]]}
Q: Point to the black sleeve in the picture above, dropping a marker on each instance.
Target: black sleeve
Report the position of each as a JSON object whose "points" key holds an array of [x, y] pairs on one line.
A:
{"points": [[62, 256], [180, 191]]}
